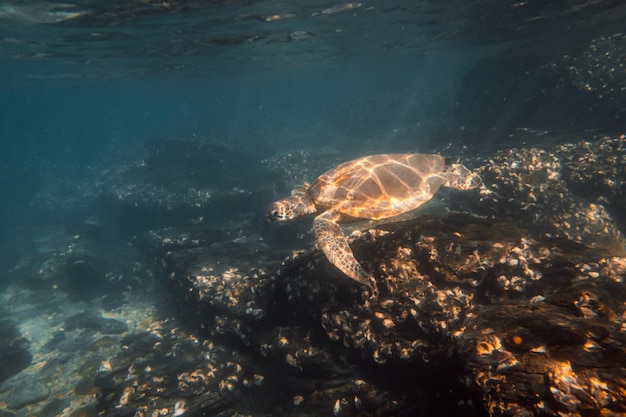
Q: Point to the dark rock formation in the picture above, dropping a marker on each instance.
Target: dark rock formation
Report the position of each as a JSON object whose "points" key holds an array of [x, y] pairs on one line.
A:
{"points": [[14, 354], [84, 266], [570, 191], [170, 370], [93, 321], [170, 183], [554, 83], [523, 302], [28, 393]]}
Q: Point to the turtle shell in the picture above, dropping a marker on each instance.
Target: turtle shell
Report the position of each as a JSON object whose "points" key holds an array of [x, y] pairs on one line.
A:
{"points": [[379, 186]]}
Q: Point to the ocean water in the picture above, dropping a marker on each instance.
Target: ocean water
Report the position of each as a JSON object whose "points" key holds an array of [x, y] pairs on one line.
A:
{"points": [[122, 119], [81, 81]]}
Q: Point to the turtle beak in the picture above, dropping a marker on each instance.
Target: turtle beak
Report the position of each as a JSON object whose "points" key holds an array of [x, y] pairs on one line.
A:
{"points": [[274, 213]]}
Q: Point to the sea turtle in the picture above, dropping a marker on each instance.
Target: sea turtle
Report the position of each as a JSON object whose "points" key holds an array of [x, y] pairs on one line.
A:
{"points": [[374, 187]]}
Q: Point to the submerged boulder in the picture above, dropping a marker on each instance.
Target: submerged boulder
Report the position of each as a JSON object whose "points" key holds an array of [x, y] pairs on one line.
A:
{"points": [[167, 371], [513, 317], [571, 191], [509, 303], [14, 354]]}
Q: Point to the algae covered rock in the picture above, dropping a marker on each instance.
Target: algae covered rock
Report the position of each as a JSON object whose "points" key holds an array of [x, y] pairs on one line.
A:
{"points": [[509, 302]]}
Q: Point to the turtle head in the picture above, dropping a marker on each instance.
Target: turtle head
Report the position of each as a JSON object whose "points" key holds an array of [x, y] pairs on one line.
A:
{"points": [[296, 205]]}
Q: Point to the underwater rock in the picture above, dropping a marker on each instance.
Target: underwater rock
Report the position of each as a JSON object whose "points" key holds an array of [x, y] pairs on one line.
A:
{"points": [[171, 371], [572, 85], [158, 184], [182, 182], [113, 301], [524, 303], [595, 172], [226, 289], [460, 297], [55, 407], [562, 353], [83, 267], [524, 316], [94, 321], [560, 192], [595, 67], [167, 370], [88, 411], [28, 393], [14, 354]]}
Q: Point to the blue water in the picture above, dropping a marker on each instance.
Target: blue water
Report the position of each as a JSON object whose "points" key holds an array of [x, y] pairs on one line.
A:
{"points": [[81, 82], [134, 128]]}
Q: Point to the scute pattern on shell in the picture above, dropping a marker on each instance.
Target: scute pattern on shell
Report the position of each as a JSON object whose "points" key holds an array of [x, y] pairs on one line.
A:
{"points": [[379, 186]]}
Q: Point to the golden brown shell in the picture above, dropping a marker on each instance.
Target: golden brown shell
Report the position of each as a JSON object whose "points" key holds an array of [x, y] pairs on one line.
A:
{"points": [[379, 186]]}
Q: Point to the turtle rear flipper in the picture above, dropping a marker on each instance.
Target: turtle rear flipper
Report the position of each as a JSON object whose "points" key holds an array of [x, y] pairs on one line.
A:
{"points": [[459, 177], [335, 246]]}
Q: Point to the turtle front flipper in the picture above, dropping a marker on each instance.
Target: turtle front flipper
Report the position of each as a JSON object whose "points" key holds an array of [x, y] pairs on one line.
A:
{"points": [[335, 246]]}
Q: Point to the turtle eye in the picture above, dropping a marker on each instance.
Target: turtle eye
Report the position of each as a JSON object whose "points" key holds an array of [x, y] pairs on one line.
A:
{"points": [[273, 214]]}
